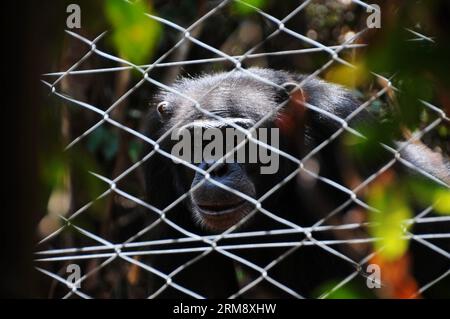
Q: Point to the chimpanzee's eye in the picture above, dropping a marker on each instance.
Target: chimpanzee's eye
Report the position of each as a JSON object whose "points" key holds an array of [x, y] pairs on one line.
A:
{"points": [[163, 108]]}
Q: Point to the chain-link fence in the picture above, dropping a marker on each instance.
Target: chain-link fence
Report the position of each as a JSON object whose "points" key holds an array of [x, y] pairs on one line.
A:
{"points": [[127, 262]]}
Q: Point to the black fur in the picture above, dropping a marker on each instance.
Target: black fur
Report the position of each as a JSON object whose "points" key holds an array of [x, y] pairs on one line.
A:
{"points": [[238, 94]]}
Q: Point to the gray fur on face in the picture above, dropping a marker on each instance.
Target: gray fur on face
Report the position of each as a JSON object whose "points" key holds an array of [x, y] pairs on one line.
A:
{"points": [[239, 95], [227, 95]]}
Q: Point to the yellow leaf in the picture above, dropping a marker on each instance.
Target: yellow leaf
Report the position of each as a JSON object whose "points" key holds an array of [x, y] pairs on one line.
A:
{"points": [[348, 76], [388, 223], [442, 201]]}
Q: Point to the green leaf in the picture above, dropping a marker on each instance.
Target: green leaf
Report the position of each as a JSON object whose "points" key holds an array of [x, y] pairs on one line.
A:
{"points": [[248, 6], [134, 150], [427, 192], [134, 35], [388, 223], [105, 141], [442, 201]]}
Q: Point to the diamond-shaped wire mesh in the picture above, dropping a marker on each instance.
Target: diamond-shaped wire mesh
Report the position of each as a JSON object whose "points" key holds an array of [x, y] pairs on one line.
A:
{"points": [[350, 243]]}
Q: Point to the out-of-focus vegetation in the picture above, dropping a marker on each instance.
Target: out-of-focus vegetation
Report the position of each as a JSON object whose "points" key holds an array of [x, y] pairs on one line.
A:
{"points": [[390, 200], [248, 7], [135, 36], [418, 70]]}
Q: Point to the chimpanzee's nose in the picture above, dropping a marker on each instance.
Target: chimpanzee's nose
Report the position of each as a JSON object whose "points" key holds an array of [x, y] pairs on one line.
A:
{"points": [[209, 193], [219, 170]]}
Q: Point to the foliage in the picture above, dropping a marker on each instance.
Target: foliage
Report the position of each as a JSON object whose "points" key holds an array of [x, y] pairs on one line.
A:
{"points": [[246, 7], [134, 34]]}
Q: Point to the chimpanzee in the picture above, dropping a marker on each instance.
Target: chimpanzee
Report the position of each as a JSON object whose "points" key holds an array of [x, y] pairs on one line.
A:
{"points": [[217, 194]]}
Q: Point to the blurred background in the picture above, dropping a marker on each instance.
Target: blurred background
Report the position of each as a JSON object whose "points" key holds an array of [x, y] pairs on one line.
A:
{"points": [[411, 48]]}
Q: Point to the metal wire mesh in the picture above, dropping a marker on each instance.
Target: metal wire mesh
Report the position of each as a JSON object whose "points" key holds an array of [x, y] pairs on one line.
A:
{"points": [[130, 250]]}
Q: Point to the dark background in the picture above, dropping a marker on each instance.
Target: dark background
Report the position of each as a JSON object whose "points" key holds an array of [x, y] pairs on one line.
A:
{"points": [[30, 31]]}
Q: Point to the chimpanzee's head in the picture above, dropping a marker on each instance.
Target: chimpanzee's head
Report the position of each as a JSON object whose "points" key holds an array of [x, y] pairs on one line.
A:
{"points": [[227, 140]]}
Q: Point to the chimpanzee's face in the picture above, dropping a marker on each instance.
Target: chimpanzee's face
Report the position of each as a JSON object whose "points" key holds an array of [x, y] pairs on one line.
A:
{"points": [[227, 171]]}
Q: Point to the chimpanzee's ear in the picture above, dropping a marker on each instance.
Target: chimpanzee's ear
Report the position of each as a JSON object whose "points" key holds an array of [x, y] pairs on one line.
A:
{"points": [[314, 109], [327, 106], [338, 104], [293, 117]]}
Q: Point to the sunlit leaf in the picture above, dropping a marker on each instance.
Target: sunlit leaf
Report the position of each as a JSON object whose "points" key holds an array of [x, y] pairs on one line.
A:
{"points": [[427, 192], [388, 223], [134, 34], [246, 7], [348, 76], [442, 201]]}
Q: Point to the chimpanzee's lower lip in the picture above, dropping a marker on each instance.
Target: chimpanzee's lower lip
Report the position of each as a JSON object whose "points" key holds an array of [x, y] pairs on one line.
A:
{"points": [[220, 210]]}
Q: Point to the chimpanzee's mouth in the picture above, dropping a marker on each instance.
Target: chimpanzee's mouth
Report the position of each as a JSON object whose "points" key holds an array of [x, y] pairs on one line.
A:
{"points": [[220, 217], [220, 208]]}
